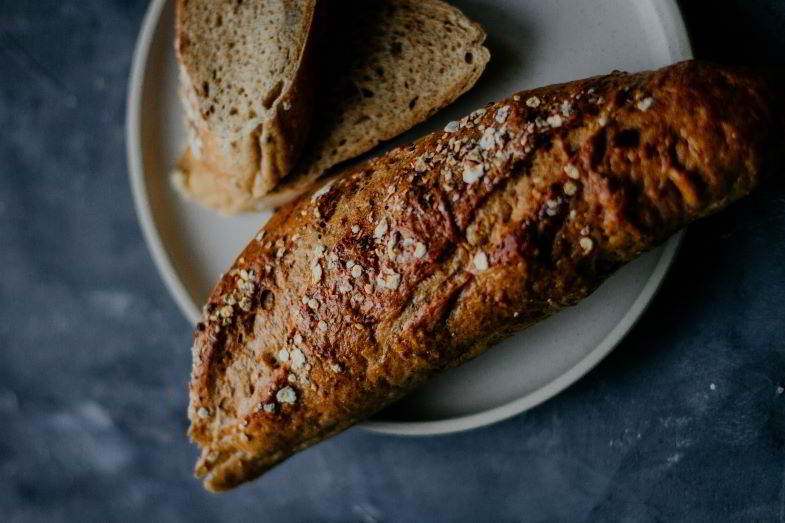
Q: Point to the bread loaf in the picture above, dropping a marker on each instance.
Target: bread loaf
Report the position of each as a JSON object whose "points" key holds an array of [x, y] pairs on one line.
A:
{"points": [[384, 66], [423, 258]]}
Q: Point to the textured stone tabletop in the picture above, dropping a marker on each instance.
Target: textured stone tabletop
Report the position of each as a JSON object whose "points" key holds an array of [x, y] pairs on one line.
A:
{"points": [[684, 421]]}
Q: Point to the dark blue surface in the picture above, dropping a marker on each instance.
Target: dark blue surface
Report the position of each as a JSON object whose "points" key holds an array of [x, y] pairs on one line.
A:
{"points": [[684, 421]]}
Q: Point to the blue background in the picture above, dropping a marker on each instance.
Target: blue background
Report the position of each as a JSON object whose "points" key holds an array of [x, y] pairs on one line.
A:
{"points": [[684, 421]]}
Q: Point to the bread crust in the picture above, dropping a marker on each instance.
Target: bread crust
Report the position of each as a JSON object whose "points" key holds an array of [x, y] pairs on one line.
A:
{"points": [[421, 259]]}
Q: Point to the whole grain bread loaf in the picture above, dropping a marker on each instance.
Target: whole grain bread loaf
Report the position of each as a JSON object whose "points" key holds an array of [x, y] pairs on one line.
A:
{"points": [[383, 67], [423, 258]]}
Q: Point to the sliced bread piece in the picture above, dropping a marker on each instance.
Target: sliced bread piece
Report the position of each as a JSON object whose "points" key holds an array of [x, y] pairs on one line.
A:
{"points": [[386, 66], [402, 61], [246, 87]]}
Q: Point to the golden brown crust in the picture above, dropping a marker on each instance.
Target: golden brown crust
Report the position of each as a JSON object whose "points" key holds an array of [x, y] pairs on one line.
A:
{"points": [[418, 260]]}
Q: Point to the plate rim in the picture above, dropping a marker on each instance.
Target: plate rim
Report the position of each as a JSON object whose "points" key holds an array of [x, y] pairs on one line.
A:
{"points": [[136, 164], [680, 48]]}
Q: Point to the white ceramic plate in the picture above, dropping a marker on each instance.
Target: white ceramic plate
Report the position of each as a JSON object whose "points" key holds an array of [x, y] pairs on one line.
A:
{"points": [[533, 42]]}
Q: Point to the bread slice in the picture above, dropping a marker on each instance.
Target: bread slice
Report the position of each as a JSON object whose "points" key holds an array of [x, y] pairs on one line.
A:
{"points": [[246, 86], [386, 66], [423, 258]]}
